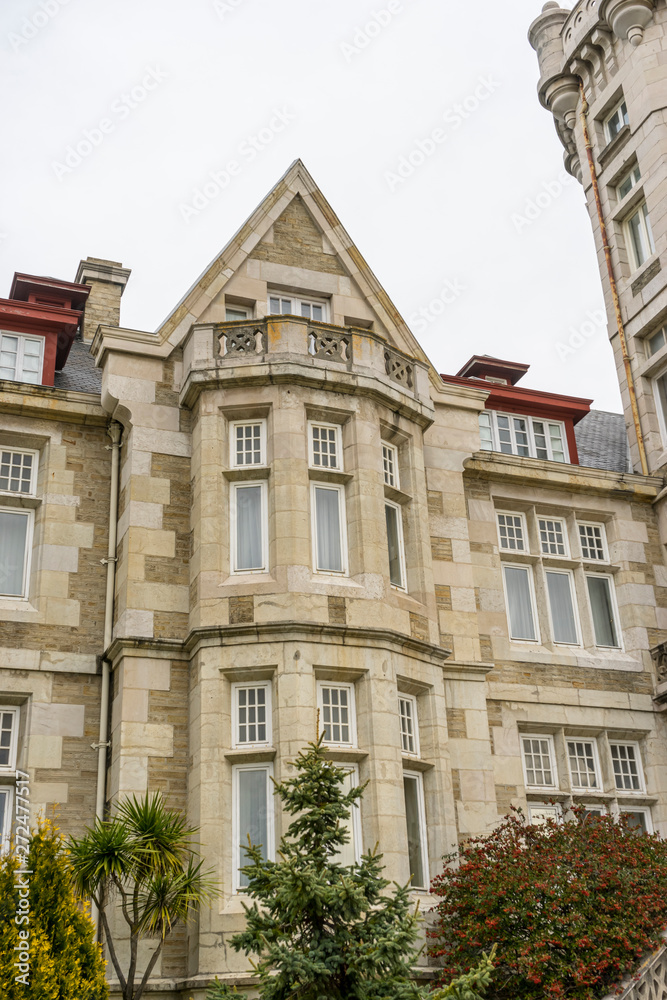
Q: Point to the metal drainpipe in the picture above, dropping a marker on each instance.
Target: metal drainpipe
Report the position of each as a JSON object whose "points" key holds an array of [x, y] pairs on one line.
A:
{"points": [[612, 282], [102, 745]]}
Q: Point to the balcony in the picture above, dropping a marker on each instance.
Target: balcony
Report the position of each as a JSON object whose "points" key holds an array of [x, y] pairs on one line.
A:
{"points": [[291, 349]]}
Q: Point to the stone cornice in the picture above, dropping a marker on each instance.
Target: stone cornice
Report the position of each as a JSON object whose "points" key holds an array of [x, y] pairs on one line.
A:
{"points": [[52, 404], [533, 472]]}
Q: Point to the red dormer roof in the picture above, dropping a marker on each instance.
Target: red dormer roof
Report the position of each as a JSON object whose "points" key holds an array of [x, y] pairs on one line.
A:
{"points": [[486, 372], [47, 307]]}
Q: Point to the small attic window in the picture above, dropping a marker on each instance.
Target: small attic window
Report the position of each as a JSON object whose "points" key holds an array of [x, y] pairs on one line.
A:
{"points": [[291, 305], [496, 381]]}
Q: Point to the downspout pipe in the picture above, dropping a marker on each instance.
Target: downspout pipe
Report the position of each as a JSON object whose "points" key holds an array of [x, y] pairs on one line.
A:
{"points": [[115, 431], [612, 283]]}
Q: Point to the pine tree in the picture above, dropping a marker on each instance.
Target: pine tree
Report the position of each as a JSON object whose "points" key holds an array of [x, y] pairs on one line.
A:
{"points": [[321, 930], [65, 961]]}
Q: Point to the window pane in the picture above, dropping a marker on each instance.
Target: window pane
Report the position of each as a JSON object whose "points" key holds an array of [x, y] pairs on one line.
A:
{"points": [[405, 711], [638, 236], [274, 305], [305, 309], [582, 764], [4, 815], [249, 527], [249, 444], [286, 306], [389, 465], [637, 820], [485, 433], [626, 769], [556, 441], [392, 515], [552, 538], [348, 852], [562, 609], [15, 471], [510, 530], [599, 591], [537, 758], [504, 434], [251, 715], [336, 715], [233, 314], [13, 535], [656, 341], [318, 313], [540, 436], [253, 816], [7, 721], [590, 537], [521, 435], [325, 453], [661, 384], [519, 602], [415, 833], [327, 521]]}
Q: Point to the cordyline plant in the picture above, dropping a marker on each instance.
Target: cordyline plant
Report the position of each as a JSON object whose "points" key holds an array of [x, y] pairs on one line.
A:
{"points": [[571, 907], [321, 930], [141, 859]]}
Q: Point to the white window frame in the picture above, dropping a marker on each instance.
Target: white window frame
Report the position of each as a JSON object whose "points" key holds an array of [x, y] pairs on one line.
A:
{"points": [[27, 558], [339, 446], [390, 457], [423, 832], [403, 585], [661, 332], [580, 789], [603, 539], [352, 710], [236, 818], [232, 443], [343, 528], [355, 814], [612, 114], [236, 743], [524, 530], [6, 828], [543, 807], [22, 338], [296, 302], [33, 477], [15, 711], [552, 759], [640, 767], [532, 448], [575, 609], [614, 608], [533, 602], [412, 701], [231, 307], [645, 810], [566, 542], [646, 235], [264, 512], [634, 176], [660, 408]]}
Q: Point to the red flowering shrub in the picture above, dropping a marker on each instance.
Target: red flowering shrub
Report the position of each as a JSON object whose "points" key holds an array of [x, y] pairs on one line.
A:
{"points": [[571, 907]]}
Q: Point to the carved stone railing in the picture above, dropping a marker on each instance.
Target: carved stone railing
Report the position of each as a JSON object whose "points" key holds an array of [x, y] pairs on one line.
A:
{"points": [[650, 982], [244, 340], [330, 345], [398, 368], [315, 351]]}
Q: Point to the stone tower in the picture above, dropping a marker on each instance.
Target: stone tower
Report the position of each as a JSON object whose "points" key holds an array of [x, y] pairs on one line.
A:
{"points": [[603, 75]]}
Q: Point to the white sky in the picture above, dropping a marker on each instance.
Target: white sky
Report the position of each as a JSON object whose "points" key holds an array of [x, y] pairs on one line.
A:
{"points": [[221, 69]]}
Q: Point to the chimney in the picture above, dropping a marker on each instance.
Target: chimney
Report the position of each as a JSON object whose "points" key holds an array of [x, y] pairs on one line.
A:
{"points": [[107, 280]]}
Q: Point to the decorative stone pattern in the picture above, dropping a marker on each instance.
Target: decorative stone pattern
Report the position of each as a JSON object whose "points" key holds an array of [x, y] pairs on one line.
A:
{"points": [[245, 340], [398, 369], [330, 346]]}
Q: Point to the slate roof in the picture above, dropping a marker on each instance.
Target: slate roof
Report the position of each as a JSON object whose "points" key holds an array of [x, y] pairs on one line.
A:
{"points": [[79, 373], [602, 441]]}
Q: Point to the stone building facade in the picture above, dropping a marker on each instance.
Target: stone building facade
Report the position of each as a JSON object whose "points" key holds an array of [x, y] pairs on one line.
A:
{"points": [[460, 574]]}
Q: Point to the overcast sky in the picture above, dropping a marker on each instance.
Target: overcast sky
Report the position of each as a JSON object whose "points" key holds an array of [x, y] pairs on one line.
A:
{"points": [[117, 113]]}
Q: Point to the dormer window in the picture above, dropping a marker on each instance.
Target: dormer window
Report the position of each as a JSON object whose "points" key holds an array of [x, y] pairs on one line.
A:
{"points": [[21, 358], [527, 437]]}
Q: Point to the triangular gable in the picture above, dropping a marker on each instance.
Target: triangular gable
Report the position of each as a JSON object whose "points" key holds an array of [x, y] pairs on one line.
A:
{"points": [[296, 204]]}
